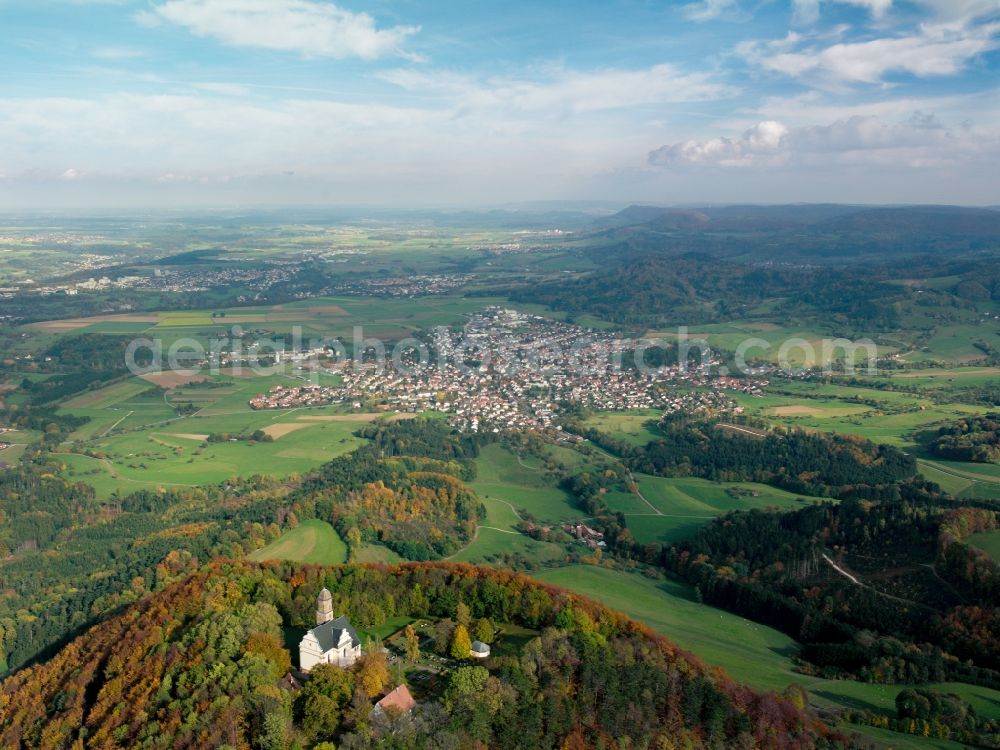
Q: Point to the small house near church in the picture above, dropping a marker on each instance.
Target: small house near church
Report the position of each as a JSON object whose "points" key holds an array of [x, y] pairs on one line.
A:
{"points": [[399, 701], [332, 641]]}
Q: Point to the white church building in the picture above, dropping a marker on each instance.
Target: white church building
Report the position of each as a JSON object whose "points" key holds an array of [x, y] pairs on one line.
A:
{"points": [[332, 641]]}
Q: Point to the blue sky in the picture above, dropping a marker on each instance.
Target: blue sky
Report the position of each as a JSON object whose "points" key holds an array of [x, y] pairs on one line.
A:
{"points": [[222, 102]]}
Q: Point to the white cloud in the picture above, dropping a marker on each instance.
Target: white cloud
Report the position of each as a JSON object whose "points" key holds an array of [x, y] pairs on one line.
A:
{"points": [[763, 142], [808, 11], [710, 10], [919, 141], [561, 92], [313, 28], [939, 49], [962, 11], [816, 108], [803, 11], [174, 138], [226, 89], [117, 53]]}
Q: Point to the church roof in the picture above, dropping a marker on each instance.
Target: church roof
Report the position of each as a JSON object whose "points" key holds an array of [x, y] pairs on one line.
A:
{"points": [[325, 595], [328, 634]]}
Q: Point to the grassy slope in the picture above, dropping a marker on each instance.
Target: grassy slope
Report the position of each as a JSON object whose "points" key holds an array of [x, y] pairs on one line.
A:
{"points": [[688, 504], [312, 541], [524, 485], [988, 542], [490, 543]]}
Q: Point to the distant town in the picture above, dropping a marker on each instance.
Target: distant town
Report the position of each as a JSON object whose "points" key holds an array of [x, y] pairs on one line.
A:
{"points": [[507, 370]]}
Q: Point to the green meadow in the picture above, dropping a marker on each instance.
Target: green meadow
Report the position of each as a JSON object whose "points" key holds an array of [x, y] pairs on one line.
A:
{"points": [[963, 480], [684, 505], [954, 343], [376, 553], [523, 483], [892, 422], [988, 542], [492, 545], [630, 426], [124, 453], [312, 541]]}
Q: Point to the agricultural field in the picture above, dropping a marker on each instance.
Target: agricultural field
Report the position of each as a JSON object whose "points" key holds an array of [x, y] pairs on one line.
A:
{"points": [[314, 319], [886, 417], [137, 437], [954, 344], [665, 510], [312, 541], [891, 417], [10, 456], [137, 440], [180, 455], [942, 378]]}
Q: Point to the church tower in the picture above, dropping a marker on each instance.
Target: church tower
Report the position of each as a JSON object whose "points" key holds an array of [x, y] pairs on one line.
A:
{"points": [[324, 607]]}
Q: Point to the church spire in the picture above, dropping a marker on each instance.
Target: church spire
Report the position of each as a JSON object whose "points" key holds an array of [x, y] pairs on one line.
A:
{"points": [[324, 607]]}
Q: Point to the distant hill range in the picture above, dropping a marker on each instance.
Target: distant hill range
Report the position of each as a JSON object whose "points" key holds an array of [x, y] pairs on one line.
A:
{"points": [[654, 265], [827, 217], [796, 232]]}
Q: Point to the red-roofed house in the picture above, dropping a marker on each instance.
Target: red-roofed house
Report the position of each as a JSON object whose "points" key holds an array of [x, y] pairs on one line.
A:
{"points": [[399, 701]]}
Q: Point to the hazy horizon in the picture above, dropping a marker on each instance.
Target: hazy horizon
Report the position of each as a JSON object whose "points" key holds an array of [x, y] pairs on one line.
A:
{"points": [[120, 104], [374, 212]]}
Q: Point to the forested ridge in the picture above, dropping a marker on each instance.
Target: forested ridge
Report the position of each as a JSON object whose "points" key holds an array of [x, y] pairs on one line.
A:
{"points": [[73, 559], [813, 463], [665, 288], [819, 574], [200, 665]]}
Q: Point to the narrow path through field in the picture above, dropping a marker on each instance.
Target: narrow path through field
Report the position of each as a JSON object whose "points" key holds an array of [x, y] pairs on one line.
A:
{"points": [[529, 468], [967, 476], [475, 536], [632, 480], [509, 505], [667, 515], [103, 434], [114, 472], [737, 428]]}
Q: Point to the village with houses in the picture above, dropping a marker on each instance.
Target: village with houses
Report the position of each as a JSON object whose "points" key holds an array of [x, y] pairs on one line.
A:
{"points": [[507, 370]]}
